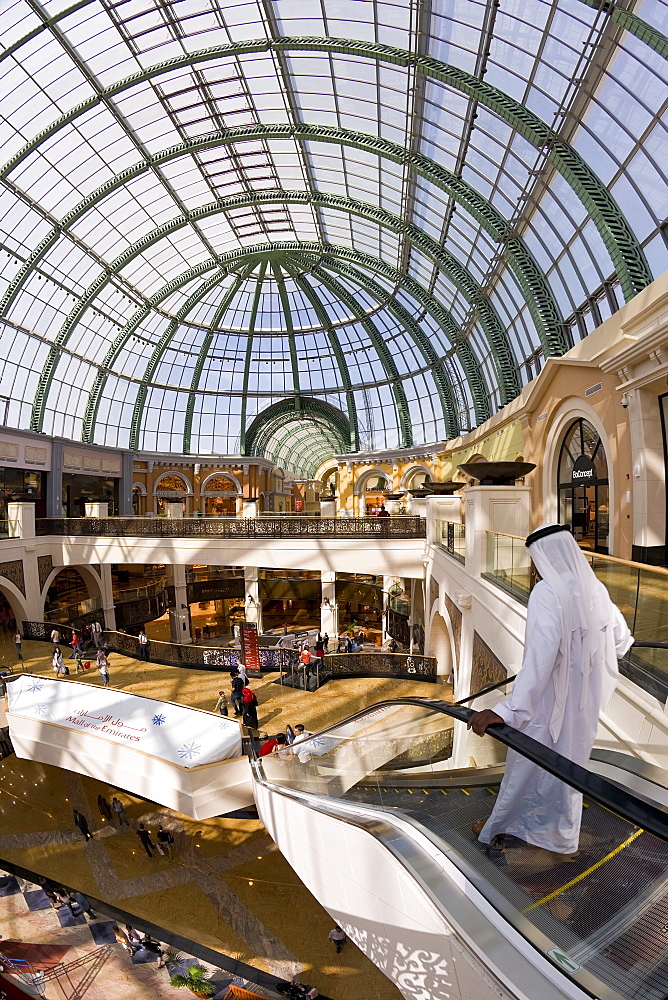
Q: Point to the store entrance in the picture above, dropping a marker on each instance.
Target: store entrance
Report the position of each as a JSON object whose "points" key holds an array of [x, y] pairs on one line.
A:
{"points": [[584, 493]]}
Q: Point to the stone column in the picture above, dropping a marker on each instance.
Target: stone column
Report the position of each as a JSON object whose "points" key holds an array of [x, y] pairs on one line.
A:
{"points": [[54, 482], [252, 603], [328, 507], [174, 508], [125, 508], [643, 496], [329, 612], [503, 509], [249, 507], [107, 591], [179, 617], [21, 524]]}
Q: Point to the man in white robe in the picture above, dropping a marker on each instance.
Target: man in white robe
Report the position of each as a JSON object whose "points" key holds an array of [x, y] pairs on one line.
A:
{"points": [[574, 636]]}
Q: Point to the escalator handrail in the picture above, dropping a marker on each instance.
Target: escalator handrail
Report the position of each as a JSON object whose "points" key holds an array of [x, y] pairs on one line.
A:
{"points": [[492, 687], [651, 818]]}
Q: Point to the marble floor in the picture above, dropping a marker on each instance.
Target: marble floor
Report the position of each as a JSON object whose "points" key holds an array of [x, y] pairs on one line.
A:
{"points": [[228, 887]]}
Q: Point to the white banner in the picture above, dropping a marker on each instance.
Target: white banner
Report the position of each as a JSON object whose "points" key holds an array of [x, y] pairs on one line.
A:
{"points": [[173, 733]]}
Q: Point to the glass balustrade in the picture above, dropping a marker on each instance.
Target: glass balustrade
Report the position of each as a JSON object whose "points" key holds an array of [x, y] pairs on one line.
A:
{"points": [[452, 537]]}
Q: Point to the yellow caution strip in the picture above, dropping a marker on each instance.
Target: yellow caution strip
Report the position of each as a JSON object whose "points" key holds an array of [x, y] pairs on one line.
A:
{"points": [[578, 878], [464, 790]]}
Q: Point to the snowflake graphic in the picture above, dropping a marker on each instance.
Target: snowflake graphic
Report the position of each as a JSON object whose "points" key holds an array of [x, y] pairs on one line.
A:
{"points": [[41, 709], [35, 686], [189, 750], [158, 720]]}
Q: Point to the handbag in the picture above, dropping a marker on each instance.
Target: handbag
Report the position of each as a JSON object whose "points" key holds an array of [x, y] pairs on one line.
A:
{"points": [[87, 665]]}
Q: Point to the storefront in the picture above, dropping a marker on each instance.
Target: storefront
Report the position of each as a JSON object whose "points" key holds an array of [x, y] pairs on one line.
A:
{"points": [[22, 485], [584, 492], [78, 490]]}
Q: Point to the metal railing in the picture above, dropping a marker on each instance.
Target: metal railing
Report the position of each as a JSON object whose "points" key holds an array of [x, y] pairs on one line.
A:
{"points": [[639, 591], [452, 538], [338, 666], [253, 527]]}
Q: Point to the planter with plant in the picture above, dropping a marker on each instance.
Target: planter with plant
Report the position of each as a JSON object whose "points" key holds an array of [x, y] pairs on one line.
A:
{"points": [[195, 978]]}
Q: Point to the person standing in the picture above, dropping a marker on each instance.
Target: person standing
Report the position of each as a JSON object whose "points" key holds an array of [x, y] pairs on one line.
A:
{"points": [[241, 670], [382, 512], [145, 838], [249, 702], [78, 654], [51, 894], [18, 639], [95, 632], [237, 696], [165, 840], [303, 754], [221, 704], [55, 638], [338, 938], [103, 666], [82, 823], [118, 808], [79, 904], [574, 637], [134, 937], [74, 643], [143, 645], [123, 939], [325, 642]]}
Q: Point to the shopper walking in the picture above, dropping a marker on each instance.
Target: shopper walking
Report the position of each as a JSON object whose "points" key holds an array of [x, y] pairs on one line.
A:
{"points": [[145, 838], [123, 939], [221, 704], [103, 666], [104, 807], [17, 642], [59, 667], [55, 638], [79, 904], [236, 697], [165, 840], [134, 937], [249, 701], [118, 808], [51, 894], [338, 938], [82, 823]]}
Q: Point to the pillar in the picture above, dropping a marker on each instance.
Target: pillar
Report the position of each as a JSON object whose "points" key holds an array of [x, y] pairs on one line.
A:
{"points": [[328, 509], [54, 482], [642, 499], [249, 507], [252, 602], [125, 507], [174, 508], [107, 590], [179, 615], [329, 612], [503, 509], [21, 520], [21, 524]]}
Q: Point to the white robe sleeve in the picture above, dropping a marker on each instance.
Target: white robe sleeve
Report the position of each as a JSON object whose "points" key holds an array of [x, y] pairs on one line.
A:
{"points": [[541, 648], [621, 633]]}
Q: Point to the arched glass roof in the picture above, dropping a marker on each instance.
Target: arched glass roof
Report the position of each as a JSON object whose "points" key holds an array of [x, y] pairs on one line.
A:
{"points": [[393, 209]]}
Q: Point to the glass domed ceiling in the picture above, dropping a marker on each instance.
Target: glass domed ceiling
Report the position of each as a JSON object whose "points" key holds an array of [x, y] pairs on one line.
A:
{"points": [[378, 218]]}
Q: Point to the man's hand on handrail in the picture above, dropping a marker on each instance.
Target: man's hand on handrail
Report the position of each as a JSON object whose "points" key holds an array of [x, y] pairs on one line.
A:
{"points": [[479, 721]]}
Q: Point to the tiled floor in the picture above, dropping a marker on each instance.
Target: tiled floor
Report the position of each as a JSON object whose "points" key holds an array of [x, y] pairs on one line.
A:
{"points": [[228, 886]]}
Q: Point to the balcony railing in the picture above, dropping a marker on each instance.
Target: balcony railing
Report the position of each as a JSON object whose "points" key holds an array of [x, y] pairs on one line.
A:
{"points": [[452, 537], [639, 591], [215, 527]]}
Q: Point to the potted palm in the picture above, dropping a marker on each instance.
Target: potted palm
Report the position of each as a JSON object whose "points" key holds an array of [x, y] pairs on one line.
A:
{"points": [[196, 979]]}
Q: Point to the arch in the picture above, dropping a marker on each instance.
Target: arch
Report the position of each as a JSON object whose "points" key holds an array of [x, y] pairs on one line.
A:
{"points": [[410, 472], [238, 488], [441, 645], [564, 415], [15, 599], [265, 422], [358, 489], [177, 475], [141, 489], [90, 579]]}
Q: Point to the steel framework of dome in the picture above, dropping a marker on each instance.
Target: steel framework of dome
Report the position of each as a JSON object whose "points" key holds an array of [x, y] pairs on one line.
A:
{"points": [[379, 218]]}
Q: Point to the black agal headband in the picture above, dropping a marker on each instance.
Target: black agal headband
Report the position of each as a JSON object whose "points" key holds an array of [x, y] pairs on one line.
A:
{"points": [[549, 529]]}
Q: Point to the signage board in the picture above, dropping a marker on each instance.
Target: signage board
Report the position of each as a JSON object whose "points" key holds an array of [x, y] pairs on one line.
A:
{"points": [[250, 649], [584, 472]]}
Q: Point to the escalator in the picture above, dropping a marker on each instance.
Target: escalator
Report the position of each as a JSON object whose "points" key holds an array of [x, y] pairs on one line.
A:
{"points": [[375, 817]]}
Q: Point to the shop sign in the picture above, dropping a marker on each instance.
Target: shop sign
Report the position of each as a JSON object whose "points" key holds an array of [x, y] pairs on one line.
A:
{"points": [[584, 471], [250, 650]]}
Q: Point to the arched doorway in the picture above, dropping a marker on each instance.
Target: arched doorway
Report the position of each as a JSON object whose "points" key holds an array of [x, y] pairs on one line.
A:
{"points": [[68, 596], [583, 485], [219, 494], [171, 488], [440, 645]]}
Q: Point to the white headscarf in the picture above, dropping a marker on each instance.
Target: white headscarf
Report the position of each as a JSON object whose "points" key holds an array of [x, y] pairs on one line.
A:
{"points": [[585, 605]]}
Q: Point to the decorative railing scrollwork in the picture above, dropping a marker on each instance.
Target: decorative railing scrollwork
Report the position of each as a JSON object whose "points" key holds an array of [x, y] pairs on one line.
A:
{"points": [[223, 527]]}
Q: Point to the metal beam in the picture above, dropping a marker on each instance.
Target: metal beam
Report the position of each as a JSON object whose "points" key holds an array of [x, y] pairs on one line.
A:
{"points": [[203, 353], [384, 355], [542, 304], [491, 323], [627, 256]]}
